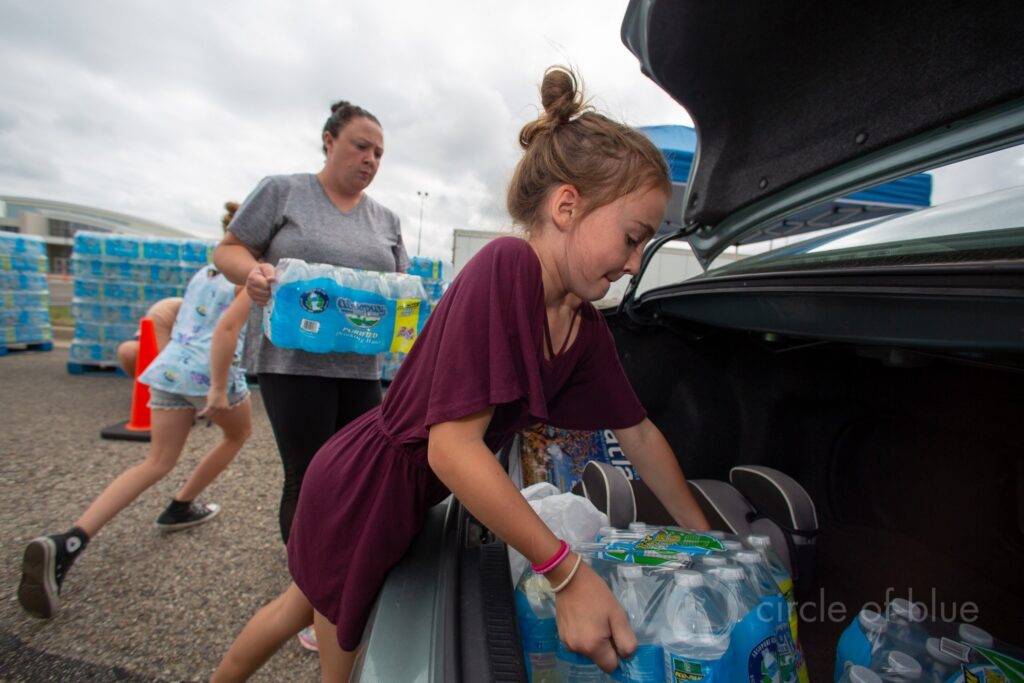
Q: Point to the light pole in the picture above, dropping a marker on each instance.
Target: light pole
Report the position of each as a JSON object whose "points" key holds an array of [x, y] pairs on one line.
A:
{"points": [[419, 239]]}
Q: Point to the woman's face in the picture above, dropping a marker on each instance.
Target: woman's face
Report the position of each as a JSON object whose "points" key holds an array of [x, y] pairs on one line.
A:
{"points": [[354, 156]]}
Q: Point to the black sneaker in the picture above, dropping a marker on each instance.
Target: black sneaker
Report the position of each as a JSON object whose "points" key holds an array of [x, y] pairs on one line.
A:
{"points": [[46, 562], [193, 515]]}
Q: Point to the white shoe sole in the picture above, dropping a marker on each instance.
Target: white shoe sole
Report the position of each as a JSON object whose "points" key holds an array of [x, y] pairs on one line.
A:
{"points": [[168, 528], [37, 592]]}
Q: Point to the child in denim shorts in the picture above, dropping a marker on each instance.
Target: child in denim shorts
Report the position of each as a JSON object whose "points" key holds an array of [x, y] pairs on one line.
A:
{"points": [[197, 372]]}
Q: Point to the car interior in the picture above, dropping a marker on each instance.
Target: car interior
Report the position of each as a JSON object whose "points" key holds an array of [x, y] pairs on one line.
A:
{"points": [[911, 458]]}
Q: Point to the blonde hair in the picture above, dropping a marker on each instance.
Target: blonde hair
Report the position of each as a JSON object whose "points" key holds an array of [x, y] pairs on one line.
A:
{"points": [[571, 143]]}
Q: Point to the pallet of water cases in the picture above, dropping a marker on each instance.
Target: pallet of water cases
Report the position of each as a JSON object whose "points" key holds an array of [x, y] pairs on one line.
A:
{"points": [[78, 368], [34, 346]]}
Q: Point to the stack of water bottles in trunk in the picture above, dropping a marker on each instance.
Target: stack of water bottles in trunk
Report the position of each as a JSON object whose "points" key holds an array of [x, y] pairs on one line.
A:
{"points": [[900, 644], [24, 291], [704, 606], [117, 278]]}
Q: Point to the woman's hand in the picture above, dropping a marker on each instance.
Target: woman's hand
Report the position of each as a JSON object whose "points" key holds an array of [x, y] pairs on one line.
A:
{"points": [[257, 283], [216, 403], [590, 620]]}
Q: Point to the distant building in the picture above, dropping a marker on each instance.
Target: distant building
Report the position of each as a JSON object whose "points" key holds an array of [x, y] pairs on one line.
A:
{"points": [[57, 223]]}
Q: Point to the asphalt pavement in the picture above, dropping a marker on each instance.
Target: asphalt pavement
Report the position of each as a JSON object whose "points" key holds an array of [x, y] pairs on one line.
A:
{"points": [[138, 606]]}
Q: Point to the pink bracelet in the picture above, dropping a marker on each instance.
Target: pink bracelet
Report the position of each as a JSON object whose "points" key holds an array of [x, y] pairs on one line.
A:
{"points": [[563, 551]]}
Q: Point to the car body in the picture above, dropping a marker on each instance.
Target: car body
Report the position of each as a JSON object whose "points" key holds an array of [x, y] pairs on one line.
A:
{"points": [[881, 366]]}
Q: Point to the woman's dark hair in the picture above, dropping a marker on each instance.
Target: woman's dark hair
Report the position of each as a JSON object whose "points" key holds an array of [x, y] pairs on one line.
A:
{"points": [[341, 113], [229, 212], [571, 143]]}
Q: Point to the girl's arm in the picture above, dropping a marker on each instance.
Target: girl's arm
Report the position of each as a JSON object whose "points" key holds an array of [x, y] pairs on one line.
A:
{"points": [[590, 620], [222, 351], [239, 264], [647, 449]]}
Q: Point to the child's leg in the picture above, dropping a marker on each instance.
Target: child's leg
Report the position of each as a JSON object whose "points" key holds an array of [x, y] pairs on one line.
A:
{"points": [[236, 425], [335, 663], [266, 632], [169, 430]]}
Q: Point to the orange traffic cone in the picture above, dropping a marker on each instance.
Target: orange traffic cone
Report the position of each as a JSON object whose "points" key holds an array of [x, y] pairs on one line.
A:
{"points": [[136, 428]]}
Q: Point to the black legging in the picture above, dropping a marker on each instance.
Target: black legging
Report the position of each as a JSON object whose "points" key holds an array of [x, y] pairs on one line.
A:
{"points": [[305, 411]]}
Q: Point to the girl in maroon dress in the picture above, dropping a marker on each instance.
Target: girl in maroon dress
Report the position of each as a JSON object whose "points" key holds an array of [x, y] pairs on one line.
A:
{"points": [[514, 341]]}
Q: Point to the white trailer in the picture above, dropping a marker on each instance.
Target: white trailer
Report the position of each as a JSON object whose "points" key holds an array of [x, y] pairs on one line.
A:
{"points": [[671, 264]]}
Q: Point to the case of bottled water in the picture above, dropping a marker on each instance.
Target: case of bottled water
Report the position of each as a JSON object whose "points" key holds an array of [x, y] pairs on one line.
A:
{"points": [[24, 292], [323, 308], [703, 608], [901, 644], [117, 278]]}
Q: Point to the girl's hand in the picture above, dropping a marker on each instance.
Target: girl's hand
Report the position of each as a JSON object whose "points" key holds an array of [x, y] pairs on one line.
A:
{"points": [[257, 283], [216, 403], [590, 620]]}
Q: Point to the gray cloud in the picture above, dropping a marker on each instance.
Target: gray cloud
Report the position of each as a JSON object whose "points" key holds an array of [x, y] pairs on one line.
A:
{"points": [[165, 110]]}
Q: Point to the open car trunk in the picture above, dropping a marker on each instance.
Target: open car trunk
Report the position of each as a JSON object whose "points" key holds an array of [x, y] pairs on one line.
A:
{"points": [[913, 460]]}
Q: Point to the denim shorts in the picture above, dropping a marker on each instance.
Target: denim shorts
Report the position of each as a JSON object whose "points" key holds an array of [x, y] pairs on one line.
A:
{"points": [[167, 400]]}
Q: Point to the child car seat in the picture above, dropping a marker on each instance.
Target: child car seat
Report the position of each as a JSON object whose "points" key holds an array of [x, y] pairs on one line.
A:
{"points": [[786, 513]]}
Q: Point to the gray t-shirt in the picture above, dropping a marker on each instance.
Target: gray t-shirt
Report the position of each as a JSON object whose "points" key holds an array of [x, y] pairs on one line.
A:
{"points": [[291, 216]]}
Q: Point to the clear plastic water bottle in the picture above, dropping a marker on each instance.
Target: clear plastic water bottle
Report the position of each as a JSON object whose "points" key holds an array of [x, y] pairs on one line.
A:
{"points": [[975, 636], [732, 545], [859, 674], [772, 606], [905, 629], [706, 563], [939, 666], [694, 627], [860, 641], [896, 666], [638, 594], [753, 650], [762, 543], [577, 668], [535, 612]]}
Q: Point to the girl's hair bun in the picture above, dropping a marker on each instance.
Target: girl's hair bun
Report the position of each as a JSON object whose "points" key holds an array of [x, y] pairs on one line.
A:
{"points": [[560, 95]]}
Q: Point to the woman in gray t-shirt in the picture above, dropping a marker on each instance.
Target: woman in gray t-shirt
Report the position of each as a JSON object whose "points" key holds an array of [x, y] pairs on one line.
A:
{"points": [[323, 218]]}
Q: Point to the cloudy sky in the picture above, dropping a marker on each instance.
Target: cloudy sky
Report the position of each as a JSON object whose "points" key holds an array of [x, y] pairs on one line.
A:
{"points": [[164, 110]]}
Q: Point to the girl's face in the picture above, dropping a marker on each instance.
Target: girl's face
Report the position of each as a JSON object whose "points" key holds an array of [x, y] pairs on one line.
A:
{"points": [[354, 156], [608, 242]]}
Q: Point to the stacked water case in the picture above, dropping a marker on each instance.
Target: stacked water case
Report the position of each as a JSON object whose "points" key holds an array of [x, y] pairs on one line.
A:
{"points": [[24, 293], [116, 279], [435, 276]]}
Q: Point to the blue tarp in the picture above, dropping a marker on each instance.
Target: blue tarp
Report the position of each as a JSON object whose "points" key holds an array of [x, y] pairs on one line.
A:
{"points": [[678, 143]]}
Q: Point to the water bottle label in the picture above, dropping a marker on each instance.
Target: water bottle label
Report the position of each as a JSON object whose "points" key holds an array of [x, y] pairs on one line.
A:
{"points": [[753, 649], [311, 326], [646, 664], [1006, 668], [314, 300], [762, 665], [407, 324], [681, 669]]}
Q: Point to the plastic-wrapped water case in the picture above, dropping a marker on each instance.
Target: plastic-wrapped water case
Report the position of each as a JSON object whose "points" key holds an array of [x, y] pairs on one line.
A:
{"points": [[24, 291], [322, 308], [118, 277]]}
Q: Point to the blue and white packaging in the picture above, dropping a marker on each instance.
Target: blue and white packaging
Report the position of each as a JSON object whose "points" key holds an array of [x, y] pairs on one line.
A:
{"points": [[322, 308]]}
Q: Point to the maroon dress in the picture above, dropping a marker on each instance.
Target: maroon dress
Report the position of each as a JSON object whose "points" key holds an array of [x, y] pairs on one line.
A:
{"points": [[366, 493]]}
